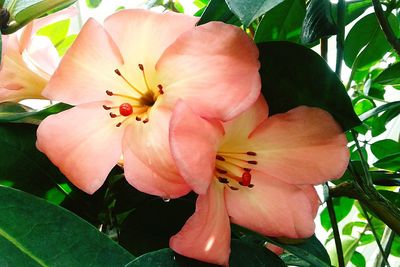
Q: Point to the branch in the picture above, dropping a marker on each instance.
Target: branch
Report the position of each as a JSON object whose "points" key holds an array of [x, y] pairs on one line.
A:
{"points": [[341, 9], [370, 198], [387, 30], [336, 233]]}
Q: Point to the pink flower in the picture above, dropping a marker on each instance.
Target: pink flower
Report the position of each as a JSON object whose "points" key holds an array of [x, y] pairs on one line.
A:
{"points": [[254, 171], [125, 77], [28, 60]]}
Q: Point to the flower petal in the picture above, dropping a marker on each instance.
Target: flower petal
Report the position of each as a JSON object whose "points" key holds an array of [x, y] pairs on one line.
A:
{"points": [[87, 69], [143, 35], [206, 234], [148, 163], [194, 143], [213, 68], [302, 146], [83, 142], [271, 207]]}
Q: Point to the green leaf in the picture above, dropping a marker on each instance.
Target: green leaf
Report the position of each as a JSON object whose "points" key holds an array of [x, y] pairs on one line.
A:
{"points": [[287, 82], [348, 228], [249, 10], [386, 147], [14, 112], [93, 3], [343, 206], [358, 259], [23, 11], [393, 197], [349, 245], [56, 32], [283, 22], [366, 44], [393, 106], [34, 232], [318, 22], [354, 9], [242, 254], [390, 76], [310, 249], [391, 163], [218, 10], [63, 47]]}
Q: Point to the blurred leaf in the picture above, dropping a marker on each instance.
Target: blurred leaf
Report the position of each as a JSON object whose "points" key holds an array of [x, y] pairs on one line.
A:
{"points": [[56, 32], [348, 228], [14, 112], [63, 47], [349, 245], [386, 147], [366, 44], [391, 163], [342, 205], [388, 106], [249, 10], [287, 82], [390, 76], [310, 249], [358, 259], [283, 22], [93, 3], [23, 11], [242, 254], [218, 10], [318, 22], [36, 233]]}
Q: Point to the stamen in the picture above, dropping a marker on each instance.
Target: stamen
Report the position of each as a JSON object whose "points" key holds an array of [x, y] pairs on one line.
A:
{"points": [[121, 122], [138, 118], [112, 115], [218, 157], [106, 108], [144, 77], [160, 89], [223, 180], [146, 120], [233, 188], [246, 169], [220, 171], [252, 162], [109, 93], [131, 85], [251, 153], [121, 95]]}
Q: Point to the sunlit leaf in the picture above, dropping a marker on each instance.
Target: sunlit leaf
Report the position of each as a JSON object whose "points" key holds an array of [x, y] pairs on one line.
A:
{"points": [[342, 206], [56, 32], [218, 10], [386, 147], [93, 3], [349, 245], [358, 259]]}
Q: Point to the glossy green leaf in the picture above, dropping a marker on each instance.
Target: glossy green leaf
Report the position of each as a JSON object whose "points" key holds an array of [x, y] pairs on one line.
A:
{"points": [[393, 197], [318, 22], [14, 112], [386, 147], [342, 206], [242, 254], [390, 76], [348, 228], [366, 44], [288, 82], [249, 10], [358, 259], [93, 3], [282, 23], [393, 106], [391, 162], [354, 9], [34, 232], [218, 10], [56, 32], [23, 11], [311, 250]]}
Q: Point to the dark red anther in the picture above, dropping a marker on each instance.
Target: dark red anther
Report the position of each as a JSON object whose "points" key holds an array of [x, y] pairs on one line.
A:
{"points": [[117, 72], [112, 115], [221, 171], [218, 157], [246, 169], [146, 120], [223, 180], [233, 188], [160, 89], [141, 67], [118, 124], [251, 153], [109, 93], [106, 108], [246, 179], [252, 162], [125, 109], [138, 118]]}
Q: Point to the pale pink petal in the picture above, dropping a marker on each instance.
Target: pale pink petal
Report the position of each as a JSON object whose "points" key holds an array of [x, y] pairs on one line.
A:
{"points": [[87, 69], [239, 128], [194, 143], [148, 163], [271, 207], [213, 68], [311, 193], [302, 146], [206, 235], [83, 143], [43, 56], [143, 35], [274, 248]]}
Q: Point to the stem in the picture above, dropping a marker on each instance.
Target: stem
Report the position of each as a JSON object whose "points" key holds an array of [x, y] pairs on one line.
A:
{"points": [[336, 234], [378, 242], [341, 9], [387, 30], [366, 178], [324, 48], [371, 199]]}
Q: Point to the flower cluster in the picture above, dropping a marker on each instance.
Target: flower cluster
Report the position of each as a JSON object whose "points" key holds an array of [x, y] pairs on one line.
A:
{"points": [[180, 104]]}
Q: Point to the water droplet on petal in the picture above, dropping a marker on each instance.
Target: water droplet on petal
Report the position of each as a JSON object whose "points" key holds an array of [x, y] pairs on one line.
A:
{"points": [[166, 199]]}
